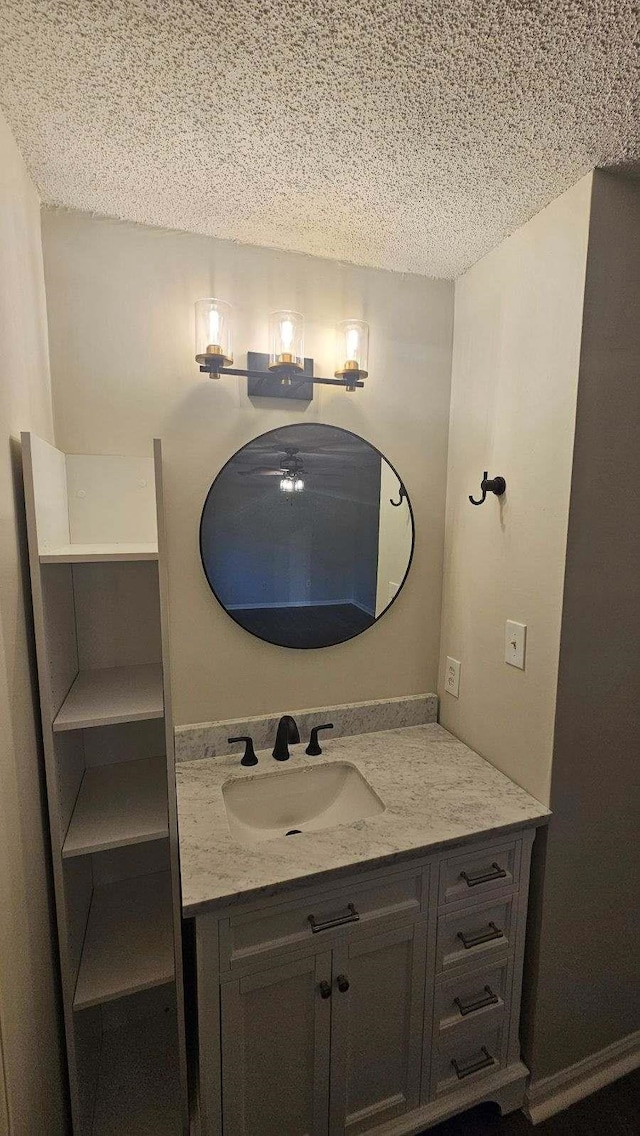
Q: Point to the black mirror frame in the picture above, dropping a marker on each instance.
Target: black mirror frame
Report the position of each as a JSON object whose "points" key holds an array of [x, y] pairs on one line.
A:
{"points": [[356, 635]]}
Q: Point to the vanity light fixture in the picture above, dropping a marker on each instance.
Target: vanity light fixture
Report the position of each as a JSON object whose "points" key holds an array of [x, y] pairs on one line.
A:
{"points": [[283, 372]]}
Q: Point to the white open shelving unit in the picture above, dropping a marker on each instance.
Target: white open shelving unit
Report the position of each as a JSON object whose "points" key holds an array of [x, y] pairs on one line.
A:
{"points": [[95, 526], [108, 696]]}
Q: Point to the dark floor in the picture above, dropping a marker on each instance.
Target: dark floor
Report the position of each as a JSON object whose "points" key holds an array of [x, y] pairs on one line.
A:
{"points": [[614, 1111], [304, 626]]}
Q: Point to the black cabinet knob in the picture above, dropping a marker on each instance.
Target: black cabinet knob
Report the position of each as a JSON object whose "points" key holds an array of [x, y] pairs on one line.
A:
{"points": [[325, 990], [342, 983]]}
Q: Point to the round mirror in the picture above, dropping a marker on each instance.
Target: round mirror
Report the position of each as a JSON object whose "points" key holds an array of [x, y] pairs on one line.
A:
{"points": [[306, 536]]}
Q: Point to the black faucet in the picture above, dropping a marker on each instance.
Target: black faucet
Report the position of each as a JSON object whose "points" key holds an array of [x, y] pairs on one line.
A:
{"points": [[313, 749], [249, 752], [286, 732]]}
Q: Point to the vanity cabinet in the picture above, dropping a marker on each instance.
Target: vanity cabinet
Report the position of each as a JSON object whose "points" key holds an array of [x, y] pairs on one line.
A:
{"points": [[327, 1043], [376, 1028], [276, 1035], [379, 1005]]}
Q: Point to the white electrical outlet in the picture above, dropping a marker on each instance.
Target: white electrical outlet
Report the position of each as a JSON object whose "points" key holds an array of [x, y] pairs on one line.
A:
{"points": [[515, 639], [452, 677]]}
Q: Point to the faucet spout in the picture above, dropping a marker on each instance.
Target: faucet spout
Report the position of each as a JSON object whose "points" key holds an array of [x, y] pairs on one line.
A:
{"points": [[287, 732]]}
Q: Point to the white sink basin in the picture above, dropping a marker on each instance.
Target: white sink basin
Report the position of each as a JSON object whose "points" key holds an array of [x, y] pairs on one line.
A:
{"points": [[269, 806]]}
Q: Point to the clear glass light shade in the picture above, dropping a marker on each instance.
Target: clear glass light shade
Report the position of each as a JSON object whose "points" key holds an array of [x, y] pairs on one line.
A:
{"points": [[286, 340], [352, 352], [213, 331]]}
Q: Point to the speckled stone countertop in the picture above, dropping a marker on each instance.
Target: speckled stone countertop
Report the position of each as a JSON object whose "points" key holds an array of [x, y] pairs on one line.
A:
{"points": [[436, 792]]}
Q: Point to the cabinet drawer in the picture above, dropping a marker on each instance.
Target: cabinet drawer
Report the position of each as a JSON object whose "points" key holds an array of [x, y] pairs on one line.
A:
{"points": [[469, 998], [468, 1057], [470, 875], [249, 937], [473, 933]]}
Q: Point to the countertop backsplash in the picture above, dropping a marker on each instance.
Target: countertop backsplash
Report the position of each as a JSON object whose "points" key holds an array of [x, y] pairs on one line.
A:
{"points": [[209, 739]]}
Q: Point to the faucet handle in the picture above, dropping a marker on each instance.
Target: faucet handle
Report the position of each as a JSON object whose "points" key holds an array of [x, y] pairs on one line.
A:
{"points": [[249, 756], [313, 749]]}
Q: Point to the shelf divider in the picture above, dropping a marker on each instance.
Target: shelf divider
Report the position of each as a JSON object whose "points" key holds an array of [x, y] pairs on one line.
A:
{"points": [[128, 946], [96, 553], [119, 804], [110, 695]]}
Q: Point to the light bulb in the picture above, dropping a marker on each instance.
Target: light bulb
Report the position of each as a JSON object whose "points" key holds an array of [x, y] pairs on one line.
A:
{"points": [[298, 485], [286, 484], [352, 343], [214, 326], [286, 334]]}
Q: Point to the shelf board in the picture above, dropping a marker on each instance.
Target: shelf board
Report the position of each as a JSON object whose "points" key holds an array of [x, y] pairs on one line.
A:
{"points": [[138, 1090], [97, 553], [128, 945], [110, 695], [119, 804]]}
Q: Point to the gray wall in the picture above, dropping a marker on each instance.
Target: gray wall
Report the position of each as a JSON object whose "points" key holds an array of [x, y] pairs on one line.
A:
{"points": [[588, 929], [516, 356], [34, 1094]]}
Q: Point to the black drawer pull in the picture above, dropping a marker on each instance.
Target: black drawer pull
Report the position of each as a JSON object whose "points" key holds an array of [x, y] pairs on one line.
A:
{"points": [[486, 999], [478, 937], [496, 873], [352, 917], [474, 1066]]}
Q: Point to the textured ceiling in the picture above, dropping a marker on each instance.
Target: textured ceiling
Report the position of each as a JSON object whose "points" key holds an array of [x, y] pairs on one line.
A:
{"points": [[405, 134]]}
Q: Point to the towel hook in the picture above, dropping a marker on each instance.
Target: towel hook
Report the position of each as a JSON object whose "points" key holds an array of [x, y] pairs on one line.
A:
{"points": [[401, 498], [488, 484]]}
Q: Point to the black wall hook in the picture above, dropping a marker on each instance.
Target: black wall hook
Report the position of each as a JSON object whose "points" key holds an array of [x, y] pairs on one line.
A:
{"points": [[403, 494], [488, 484]]}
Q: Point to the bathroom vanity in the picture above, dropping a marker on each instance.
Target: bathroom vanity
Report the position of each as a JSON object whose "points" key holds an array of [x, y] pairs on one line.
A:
{"points": [[365, 977]]}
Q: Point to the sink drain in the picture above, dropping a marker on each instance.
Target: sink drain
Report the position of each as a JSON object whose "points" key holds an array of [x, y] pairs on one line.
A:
{"points": [[293, 831]]}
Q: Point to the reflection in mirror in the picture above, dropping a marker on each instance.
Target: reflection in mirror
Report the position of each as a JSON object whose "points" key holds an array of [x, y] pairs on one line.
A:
{"points": [[306, 536]]}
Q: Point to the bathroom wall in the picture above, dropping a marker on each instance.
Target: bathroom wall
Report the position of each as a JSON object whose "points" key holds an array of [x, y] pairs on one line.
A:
{"points": [[545, 392], [120, 305], [33, 1098], [518, 316], [587, 932]]}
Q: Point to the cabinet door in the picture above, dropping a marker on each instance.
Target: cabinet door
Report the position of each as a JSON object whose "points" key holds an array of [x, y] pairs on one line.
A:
{"points": [[377, 1025], [275, 1051]]}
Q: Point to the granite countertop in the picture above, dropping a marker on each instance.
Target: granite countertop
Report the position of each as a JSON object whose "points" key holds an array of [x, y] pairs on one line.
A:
{"points": [[436, 790]]}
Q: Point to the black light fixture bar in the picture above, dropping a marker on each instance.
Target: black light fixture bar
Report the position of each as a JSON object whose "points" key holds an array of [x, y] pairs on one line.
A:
{"points": [[282, 374], [281, 382]]}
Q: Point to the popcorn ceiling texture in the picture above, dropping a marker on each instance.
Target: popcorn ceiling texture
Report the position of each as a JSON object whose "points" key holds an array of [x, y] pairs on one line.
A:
{"points": [[403, 134]]}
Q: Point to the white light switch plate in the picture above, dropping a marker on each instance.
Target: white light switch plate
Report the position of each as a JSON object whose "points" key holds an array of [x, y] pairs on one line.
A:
{"points": [[452, 677], [515, 639]]}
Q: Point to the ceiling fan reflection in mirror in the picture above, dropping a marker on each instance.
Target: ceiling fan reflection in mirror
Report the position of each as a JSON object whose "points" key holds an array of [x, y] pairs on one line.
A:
{"points": [[290, 471]]}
